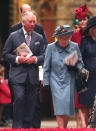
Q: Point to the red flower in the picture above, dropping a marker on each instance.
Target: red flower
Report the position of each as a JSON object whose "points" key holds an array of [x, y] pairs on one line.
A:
{"points": [[81, 12]]}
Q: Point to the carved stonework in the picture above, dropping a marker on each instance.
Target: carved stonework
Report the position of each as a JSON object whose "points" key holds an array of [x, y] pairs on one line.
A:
{"points": [[48, 6], [47, 13]]}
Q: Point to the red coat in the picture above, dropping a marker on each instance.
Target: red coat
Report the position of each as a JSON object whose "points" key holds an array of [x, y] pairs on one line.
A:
{"points": [[5, 95], [76, 37]]}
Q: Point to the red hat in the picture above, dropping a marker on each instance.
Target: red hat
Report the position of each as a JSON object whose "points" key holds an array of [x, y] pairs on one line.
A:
{"points": [[81, 12]]}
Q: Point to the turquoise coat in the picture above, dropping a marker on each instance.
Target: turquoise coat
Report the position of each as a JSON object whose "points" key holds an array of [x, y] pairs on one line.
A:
{"points": [[57, 75]]}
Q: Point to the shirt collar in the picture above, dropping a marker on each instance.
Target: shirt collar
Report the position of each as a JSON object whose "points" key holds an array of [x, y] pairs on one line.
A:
{"points": [[25, 33]]}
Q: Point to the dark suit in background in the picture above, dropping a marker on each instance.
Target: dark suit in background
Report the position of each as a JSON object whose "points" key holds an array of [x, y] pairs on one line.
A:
{"points": [[24, 79]]}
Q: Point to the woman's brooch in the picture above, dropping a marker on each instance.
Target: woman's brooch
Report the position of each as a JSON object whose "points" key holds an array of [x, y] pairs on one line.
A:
{"points": [[72, 47]]}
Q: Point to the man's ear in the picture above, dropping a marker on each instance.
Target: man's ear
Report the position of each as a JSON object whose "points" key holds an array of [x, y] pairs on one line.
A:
{"points": [[23, 23], [36, 21]]}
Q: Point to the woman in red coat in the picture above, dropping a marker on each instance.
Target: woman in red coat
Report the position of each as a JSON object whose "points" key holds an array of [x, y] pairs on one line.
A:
{"points": [[81, 14], [5, 95]]}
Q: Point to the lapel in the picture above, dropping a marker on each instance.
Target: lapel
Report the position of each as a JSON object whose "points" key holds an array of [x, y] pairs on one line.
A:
{"points": [[33, 39], [19, 38], [21, 35], [33, 36]]}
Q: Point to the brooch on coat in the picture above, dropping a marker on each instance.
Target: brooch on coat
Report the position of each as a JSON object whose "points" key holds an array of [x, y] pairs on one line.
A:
{"points": [[72, 47]]}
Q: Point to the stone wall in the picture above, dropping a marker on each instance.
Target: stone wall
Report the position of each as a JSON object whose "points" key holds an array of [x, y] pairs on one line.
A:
{"points": [[65, 10]]}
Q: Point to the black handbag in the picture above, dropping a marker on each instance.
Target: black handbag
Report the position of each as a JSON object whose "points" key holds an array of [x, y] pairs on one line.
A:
{"points": [[72, 68], [81, 83]]}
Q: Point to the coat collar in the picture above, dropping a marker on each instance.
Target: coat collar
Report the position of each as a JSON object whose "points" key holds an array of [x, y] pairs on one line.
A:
{"points": [[62, 49]]}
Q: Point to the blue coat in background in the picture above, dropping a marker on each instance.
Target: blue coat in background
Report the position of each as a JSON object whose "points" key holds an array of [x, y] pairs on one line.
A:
{"points": [[60, 79]]}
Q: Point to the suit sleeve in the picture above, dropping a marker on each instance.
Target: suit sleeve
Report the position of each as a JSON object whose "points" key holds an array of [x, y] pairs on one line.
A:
{"points": [[15, 27], [40, 57], [8, 51], [44, 37], [12, 29], [47, 66], [39, 29], [45, 40]]}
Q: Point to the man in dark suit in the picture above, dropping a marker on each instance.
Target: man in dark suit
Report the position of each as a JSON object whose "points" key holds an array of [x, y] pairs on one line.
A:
{"points": [[24, 74], [38, 28]]}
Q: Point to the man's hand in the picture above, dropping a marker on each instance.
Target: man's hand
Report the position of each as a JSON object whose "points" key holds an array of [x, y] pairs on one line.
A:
{"points": [[22, 59], [32, 59]]}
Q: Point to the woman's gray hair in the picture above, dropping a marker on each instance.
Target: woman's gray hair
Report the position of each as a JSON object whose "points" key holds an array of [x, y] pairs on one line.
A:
{"points": [[24, 17]]}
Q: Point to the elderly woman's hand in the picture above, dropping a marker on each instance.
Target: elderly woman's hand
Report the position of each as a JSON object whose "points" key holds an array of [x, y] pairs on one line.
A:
{"points": [[84, 74]]}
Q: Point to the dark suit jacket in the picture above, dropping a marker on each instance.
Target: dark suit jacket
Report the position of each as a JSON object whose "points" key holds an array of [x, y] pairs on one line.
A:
{"points": [[38, 28], [18, 72]]}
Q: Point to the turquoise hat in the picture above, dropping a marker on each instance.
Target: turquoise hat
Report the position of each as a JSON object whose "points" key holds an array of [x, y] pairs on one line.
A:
{"points": [[63, 30]]}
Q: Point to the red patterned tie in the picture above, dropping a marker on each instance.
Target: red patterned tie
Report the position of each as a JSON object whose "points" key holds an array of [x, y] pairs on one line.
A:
{"points": [[28, 39]]}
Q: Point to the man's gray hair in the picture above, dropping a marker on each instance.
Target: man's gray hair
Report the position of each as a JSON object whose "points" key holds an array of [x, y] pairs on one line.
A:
{"points": [[24, 17]]}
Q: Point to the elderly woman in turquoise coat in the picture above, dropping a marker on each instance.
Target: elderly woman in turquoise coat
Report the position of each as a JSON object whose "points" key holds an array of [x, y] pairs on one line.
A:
{"points": [[57, 75]]}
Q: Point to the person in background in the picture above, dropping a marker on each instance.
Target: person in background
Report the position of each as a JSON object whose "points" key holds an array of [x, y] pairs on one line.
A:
{"points": [[5, 95], [58, 76], [88, 51], [81, 14], [76, 25], [7, 111], [24, 73], [39, 29]]}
